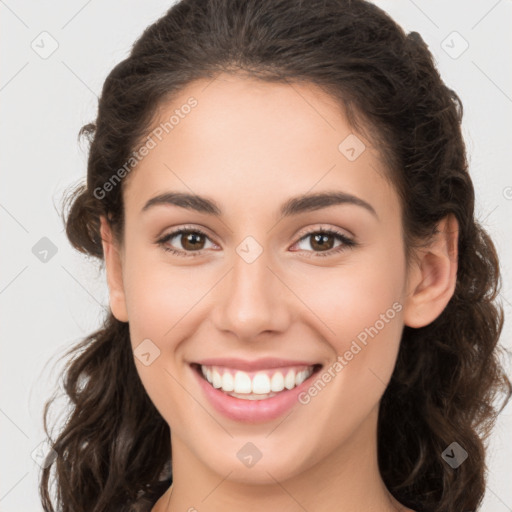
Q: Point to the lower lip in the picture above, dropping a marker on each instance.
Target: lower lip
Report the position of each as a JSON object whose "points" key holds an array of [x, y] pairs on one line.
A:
{"points": [[251, 411]]}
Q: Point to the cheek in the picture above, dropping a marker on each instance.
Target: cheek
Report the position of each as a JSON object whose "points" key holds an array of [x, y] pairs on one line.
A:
{"points": [[357, 309], [360, 296], [159, 294], [160, 302]]}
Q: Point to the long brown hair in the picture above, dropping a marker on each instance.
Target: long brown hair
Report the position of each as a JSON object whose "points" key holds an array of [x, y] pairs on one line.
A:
{"points": [[115, 446]]}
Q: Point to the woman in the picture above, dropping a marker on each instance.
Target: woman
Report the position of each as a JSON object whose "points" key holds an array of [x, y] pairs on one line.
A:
{"points": [[303, 306]]}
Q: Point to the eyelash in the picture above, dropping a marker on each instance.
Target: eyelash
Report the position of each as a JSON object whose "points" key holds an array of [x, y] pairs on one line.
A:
{"points": [[348, 243]]}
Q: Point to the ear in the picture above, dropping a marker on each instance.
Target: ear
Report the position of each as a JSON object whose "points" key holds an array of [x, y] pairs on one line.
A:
{"points": [[432, 280], [114, 269]]}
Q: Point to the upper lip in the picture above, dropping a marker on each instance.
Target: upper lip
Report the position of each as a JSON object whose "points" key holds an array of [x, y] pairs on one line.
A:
{"points": [[257, 364]]}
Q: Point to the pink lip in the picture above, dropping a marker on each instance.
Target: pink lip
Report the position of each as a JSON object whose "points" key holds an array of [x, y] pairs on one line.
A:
{"points": [[258, 364], [252, 411]]}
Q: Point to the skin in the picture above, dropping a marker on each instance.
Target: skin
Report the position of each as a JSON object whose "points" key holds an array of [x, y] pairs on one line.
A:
{"points": [[250, 146]]}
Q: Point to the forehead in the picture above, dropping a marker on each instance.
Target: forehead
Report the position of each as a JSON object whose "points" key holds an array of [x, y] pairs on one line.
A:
{"points": [[251, 142]]}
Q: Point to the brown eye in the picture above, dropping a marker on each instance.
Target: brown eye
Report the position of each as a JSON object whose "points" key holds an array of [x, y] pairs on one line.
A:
{"points": [[191, 241], [321, 242]]}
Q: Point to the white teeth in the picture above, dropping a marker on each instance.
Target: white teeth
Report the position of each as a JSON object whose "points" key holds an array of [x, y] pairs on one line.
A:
{"points": [[252, 396], [228, 383], [301, 377], [289, 380], [277, 382], [263, 384], [242, 383], [217, 379]]}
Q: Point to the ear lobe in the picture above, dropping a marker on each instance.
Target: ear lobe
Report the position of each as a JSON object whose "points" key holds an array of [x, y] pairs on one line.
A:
{"points": [[114, 270], [435, 277]]}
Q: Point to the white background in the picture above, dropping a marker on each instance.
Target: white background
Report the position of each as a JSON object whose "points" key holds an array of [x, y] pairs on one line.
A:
{"points": [[47, 307]]}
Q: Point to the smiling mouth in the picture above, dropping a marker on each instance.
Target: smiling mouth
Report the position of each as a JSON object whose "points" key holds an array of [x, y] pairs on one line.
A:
{"points": [[258, 385]]}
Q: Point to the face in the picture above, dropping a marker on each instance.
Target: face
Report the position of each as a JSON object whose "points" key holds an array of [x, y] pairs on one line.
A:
{"points": [[253, 289]]}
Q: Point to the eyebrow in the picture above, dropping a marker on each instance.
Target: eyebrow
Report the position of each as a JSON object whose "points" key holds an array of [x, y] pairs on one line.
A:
{"points": [[293, 206]]}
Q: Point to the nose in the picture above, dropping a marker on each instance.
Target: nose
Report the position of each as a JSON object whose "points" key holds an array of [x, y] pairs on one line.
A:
{"points": [[252, 299]]}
